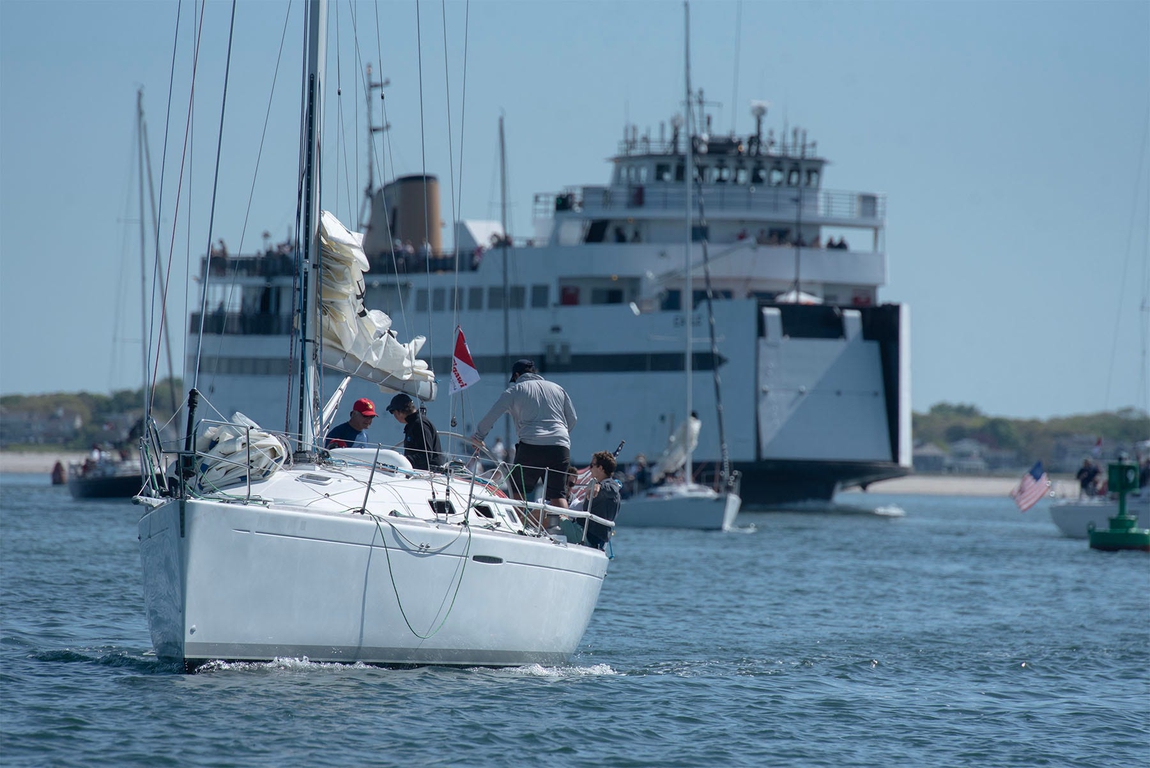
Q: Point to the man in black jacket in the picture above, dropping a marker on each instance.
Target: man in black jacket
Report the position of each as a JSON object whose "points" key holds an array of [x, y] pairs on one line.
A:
{"points": [[420, 440]]}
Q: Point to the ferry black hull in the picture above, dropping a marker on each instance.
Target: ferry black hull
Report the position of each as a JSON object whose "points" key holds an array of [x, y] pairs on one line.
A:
{"points": [[767, 484]]}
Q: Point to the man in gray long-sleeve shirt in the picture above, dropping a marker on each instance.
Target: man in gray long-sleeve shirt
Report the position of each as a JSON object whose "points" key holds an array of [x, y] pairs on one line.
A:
{"points": [[543, 416]]}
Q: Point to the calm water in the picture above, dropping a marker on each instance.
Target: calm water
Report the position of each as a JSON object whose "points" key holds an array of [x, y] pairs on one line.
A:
{"points": [[964, 633]]}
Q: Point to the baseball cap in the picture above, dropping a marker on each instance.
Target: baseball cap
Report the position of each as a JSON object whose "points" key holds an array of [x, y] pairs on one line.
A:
{"points": [[522, 366], [400, 402], [364, 406]]}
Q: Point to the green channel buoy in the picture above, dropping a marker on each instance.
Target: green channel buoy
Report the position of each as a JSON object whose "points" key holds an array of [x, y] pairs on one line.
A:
{"points": [[1123, 478]]}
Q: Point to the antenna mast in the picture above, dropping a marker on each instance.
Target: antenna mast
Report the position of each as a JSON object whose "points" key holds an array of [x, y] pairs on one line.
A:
{"points": [[369, 191]]}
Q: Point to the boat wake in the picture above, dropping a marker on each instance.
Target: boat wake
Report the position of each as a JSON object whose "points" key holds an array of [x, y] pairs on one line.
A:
{"points": [[830, 508], [565, 671], [287, 664]]}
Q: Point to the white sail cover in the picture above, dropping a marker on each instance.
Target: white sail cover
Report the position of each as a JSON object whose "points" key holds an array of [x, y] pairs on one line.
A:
{"points": [[359, 341], [681, 445], [226, 451]]}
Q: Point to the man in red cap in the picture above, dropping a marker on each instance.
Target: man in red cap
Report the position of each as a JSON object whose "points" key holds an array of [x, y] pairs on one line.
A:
{"points": [[353, 432]]}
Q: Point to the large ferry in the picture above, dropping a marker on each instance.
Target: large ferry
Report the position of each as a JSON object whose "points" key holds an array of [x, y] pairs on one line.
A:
{"points": [[815, 370]]}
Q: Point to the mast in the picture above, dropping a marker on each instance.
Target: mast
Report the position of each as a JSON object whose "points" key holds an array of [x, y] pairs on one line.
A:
{"points": [[309, 253], [145, 390], [503, 248], [159, 283], [688, 289]]}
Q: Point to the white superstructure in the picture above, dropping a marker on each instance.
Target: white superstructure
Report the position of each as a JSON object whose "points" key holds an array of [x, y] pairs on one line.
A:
{"points": [[815, 370]]}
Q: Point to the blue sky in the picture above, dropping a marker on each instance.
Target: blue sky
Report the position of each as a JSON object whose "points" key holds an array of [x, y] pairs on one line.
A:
{"points": [[1010, 139]]}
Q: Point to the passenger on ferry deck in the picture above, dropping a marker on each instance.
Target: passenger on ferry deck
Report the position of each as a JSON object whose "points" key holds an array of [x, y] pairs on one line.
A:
{"points": [[620, 235]]}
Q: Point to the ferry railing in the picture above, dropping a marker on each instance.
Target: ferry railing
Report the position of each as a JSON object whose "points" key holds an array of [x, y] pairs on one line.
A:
{"points": [[274, 264], [863, 207]]}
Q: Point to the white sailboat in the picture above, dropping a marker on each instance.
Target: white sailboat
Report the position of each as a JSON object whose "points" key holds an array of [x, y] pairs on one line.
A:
{"points": [[686, 504], [264, 546]]}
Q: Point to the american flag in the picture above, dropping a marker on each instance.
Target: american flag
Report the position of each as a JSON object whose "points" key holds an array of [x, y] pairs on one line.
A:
{"points": [[1032, 488], [582, 483]]}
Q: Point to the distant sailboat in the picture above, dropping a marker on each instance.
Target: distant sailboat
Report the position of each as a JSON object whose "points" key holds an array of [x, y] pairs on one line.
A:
{"points": [[105, 474], [686, 504]]}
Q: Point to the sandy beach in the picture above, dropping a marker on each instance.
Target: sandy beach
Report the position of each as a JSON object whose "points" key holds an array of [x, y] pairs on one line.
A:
{"points": [[931, 485], [33, 463]]}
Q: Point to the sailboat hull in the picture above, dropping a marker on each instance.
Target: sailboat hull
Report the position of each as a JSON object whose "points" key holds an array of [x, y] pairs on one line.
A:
{"points": [[248, 582], [695, 507]]}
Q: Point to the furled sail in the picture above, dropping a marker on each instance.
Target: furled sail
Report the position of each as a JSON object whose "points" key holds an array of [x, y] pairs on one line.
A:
{"points": [[359, 341], [681, 445]]}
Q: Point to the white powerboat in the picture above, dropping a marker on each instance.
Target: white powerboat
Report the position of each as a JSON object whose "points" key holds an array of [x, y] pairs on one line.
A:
{"points": [[1075, 516]]}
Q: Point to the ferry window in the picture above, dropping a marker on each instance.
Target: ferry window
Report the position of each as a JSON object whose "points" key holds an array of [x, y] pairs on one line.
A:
{"points": [[776, 175], [699, 233], [758, 176], [722, 174], [680, 172], [741, 175], [606, 295], [437, 300], [643, 174], [495, 297], [812, 177], [518, 296], [475, 297], [569, 295], [663, 172], [793, 176], [539, 295], [421, 300], [672, 301]]}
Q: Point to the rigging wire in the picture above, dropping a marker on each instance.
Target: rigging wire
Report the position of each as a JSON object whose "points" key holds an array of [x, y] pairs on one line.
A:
{"points": [[215, 190], [738, 45], [230, 292], [423, 166], [1126, 262], [456, 186], [185, 164], [163, 289]]}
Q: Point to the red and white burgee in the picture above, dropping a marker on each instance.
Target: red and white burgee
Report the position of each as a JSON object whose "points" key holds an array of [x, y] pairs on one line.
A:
{"points": [[463, 373]]}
